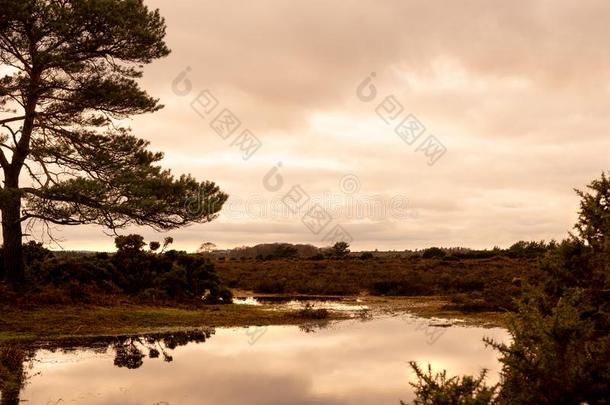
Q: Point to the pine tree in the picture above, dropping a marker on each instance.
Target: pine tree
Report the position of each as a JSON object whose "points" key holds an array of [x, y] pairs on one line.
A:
{"points": [[73, 69]]}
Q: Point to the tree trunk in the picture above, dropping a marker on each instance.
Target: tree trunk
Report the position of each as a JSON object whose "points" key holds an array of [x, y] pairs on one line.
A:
{"points": [[12, 236]]}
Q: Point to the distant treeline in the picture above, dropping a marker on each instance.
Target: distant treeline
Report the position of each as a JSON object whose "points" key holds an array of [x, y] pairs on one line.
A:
{"points": [[474, 279], [270, 251]]}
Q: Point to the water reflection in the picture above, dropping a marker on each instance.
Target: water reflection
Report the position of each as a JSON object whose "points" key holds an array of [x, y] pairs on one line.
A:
{"points": [[349, 362], [13, 374], [130, 351]]}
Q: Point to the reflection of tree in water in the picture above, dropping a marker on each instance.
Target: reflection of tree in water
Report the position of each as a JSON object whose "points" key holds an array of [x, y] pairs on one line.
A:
{"points": [[130, 351], [314, 326], [13, 374]]}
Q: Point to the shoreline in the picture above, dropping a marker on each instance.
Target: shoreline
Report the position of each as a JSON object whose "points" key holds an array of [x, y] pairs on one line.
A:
{"points": [[57, 323]]}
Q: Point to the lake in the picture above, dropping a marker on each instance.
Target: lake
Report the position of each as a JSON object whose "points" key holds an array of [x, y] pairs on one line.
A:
{"points": [[357, 361]]}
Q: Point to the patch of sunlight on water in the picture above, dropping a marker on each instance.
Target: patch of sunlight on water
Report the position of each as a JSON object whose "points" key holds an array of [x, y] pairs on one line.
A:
{"points": [[246, 301], [296, 304]]}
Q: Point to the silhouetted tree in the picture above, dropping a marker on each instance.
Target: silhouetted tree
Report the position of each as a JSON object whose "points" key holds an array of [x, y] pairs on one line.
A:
{"points": [[593, 224], [73, 70], [206, 247], [341, 249], [560, 352], [166, 242], [132, 243], [433, 252]]}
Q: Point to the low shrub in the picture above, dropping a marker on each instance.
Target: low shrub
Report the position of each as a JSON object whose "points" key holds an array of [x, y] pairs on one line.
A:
{"points": [[130, 271], [433, 253], [310, 312]]}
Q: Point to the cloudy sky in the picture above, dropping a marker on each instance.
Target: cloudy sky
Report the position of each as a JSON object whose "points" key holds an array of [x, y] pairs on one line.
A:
{"points": [[516, 94]]}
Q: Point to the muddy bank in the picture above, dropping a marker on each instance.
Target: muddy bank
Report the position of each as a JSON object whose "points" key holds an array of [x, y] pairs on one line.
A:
{"points": [[65, 322]]}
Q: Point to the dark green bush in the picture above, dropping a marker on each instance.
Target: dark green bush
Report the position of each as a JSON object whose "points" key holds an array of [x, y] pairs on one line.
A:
{"points": [[560, 347], [131, 271], [529, 249], [34, 253], [64, 270], [219, 294], [437, 388], [366, 256], [433, 253]]}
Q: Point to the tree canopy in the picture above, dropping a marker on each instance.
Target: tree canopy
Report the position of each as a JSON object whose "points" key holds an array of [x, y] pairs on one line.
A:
{"points": [[73, 68]]}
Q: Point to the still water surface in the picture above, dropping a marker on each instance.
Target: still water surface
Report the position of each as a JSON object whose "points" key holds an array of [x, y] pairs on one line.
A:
{"points": [[348, 362]]}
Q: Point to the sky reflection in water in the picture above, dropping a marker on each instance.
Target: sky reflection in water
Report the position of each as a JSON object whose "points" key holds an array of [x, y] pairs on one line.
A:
{"points": [[350, 362]]}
